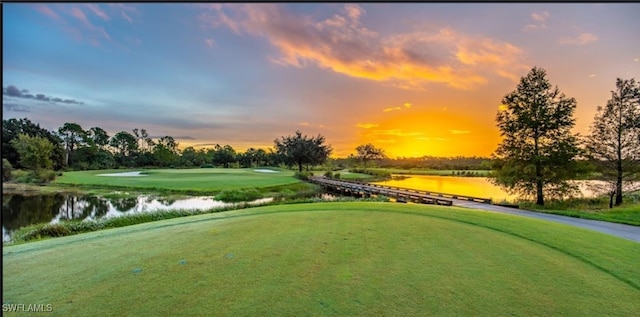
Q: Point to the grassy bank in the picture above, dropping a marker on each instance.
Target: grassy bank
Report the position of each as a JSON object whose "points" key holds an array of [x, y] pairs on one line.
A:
{"points": [[593, 208], [356, 259]]}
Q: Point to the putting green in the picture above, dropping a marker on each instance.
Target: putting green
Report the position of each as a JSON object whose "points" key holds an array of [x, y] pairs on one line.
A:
{"points": [[194, 180], [339, 259]]}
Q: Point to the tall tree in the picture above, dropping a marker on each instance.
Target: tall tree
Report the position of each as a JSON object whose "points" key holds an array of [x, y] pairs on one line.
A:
{"points": [[125, 145], [368, 152], [614, 141], [191, 157], [537, 153], [145, 143], [166, 151], [300, 149], [224, 155], [72, 136], [260, 157], [99, 137]]}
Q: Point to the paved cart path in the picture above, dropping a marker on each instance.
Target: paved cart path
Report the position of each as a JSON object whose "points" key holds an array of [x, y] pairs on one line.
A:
{"points": [[616, 229]]}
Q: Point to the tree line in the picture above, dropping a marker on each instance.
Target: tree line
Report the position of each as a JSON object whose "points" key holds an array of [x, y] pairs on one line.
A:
{"points": [[26, 145]]}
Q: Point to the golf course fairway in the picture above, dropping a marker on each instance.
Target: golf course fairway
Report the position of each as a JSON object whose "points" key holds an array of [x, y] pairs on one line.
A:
{"points": [[329, 259]]}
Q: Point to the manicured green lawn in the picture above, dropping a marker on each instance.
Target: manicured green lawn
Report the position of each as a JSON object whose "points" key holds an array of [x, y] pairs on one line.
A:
{"points": [[629, 214], [193, 180], [338, 259], [345, 174]]}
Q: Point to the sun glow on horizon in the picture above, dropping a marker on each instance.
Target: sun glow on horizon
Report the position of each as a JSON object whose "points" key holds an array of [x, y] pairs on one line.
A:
{"points": [[432, 133]]}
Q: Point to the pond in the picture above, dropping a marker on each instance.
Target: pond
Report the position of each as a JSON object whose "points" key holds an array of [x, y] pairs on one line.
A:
{"points": [[22, 210], [468, 186]]}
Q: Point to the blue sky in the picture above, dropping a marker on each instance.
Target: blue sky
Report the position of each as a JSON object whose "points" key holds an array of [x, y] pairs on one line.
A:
{"points": [[413, 78]]}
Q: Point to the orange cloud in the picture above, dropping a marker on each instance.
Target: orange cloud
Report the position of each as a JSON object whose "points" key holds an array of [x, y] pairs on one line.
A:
{"points": [[343, 45], [396, 132], [391, 109], [459, 131], [366, 125]]}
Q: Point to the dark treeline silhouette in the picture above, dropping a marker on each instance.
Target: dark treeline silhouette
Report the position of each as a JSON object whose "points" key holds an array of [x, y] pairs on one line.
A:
{"points": [[78, 149]]}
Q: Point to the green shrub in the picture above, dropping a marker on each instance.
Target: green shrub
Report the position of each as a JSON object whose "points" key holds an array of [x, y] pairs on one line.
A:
{"points": [[22, 176], [207, 166], [328, 174], [304, 175], [377, 173], [336, 175], [6, 170], [238, 195], [45, 176], [46, 230]]}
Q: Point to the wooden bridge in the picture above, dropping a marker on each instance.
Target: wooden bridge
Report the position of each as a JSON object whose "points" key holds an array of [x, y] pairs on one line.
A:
{"points": [[400, 194]]}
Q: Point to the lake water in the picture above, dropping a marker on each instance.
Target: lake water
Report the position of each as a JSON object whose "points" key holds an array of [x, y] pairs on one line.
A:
{"points": [[23, 210], [468, 186]]}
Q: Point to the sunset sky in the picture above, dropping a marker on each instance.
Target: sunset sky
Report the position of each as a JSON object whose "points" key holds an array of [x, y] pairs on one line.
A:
{"points": [[414, 78]]}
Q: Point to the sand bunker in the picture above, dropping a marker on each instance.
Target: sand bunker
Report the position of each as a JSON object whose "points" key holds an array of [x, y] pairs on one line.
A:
{"points": [[265, 171], [123, 174]]}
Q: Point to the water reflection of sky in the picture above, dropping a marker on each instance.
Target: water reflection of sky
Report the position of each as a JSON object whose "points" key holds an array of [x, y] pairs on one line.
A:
{"points": [[79, 208], [147, 204], [472, 186]]}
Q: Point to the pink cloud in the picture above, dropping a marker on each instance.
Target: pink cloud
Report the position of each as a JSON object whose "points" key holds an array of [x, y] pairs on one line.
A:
{"points": [[126, 17], [96, 10], [44, 9], [539, 21], [582, 39], [540, 16], [343, 45], [80, 27], [210, 42], [78, 14], [124, 10]]}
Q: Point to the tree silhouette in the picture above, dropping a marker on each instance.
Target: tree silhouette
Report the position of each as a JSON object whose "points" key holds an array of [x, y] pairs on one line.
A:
{"points": [[537, 153], [300, 149], [614, 142]]}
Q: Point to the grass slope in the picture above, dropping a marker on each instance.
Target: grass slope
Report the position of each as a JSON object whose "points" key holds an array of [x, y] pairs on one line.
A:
{"points": [[190, 180], [337, 259]]}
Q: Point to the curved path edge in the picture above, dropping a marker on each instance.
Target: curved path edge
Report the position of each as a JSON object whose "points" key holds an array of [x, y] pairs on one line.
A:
{"points": [[616, 229]]}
